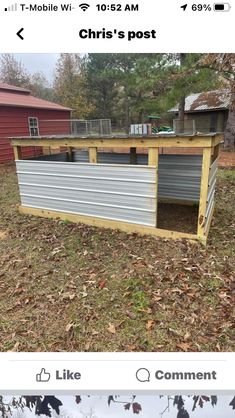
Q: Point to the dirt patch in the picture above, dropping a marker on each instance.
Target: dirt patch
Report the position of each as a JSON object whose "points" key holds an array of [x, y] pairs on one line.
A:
{"points": [[181, 218]]}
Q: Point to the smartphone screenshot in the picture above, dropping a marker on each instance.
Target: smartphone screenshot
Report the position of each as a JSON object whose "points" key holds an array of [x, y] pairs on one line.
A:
{"points": [[117, 157]]}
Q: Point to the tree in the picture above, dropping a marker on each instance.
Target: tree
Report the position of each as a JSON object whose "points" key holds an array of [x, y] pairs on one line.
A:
{"points": [[40, 87], [101, 85], [182, 77], [69, 84], [224, 66], [44, 405], [13, 72]]}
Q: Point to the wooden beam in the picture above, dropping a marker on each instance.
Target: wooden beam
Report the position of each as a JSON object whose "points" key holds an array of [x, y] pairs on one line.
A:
{"points": [[217, 139], [106, 223], [216, 150], [133, 156], [128, 142], [206, 162], [153, 157], [70, 153], [17, 152], [93, 155]]}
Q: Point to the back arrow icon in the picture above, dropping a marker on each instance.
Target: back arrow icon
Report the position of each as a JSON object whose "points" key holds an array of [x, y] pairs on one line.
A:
{"points": [[19, 33]]}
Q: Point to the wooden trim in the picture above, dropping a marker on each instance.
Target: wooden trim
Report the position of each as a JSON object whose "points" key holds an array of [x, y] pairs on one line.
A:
{"points": [[129, 142], [133, 156], [93, 155], [206, 162], [216, 150], [106, 223], [17, 152], [217, 139]]}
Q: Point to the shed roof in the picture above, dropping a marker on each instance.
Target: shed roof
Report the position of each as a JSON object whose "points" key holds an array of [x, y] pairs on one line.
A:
{"points": [[8, 87], [206, 101], [21, 97]]}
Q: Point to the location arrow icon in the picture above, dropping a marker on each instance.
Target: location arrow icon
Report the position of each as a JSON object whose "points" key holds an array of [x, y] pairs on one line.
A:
{"points": [[184, 7], [19, 33]]}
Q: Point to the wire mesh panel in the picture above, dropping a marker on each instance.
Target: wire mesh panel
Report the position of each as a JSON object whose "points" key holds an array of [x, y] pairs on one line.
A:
{"points": [[187, 127], [75, 127]]}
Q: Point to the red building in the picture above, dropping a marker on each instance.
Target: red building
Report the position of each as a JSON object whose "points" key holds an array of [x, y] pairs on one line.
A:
{"points": [[22, 114]]}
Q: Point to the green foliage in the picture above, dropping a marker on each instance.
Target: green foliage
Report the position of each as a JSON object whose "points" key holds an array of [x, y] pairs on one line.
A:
{"points": [[127, 87], [69, 84]]}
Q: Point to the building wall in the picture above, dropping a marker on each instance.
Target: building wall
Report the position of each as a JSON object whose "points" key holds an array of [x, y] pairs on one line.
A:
{"points": [[208, 121], [14, 122]]}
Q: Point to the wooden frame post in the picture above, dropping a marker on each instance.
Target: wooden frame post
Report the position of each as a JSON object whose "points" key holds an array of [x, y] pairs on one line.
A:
{"points": [[206, 162], [153, 156], [133, 156], [70, 153], [17, 152], [153, 160], [93, 155]]}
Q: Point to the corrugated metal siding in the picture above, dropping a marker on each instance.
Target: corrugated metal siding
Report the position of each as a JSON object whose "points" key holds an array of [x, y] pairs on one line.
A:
{"points": [[125, 193], [179, 175], [209, 100], [62, 156], [211, 191]]}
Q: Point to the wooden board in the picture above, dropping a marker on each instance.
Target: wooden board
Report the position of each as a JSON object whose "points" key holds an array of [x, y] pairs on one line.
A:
{"points": [[104, 223], [143, 142]]}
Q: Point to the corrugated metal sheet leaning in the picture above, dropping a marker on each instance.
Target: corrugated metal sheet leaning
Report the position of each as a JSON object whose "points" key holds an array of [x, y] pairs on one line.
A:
{"points": [[211, 192], [123, 193]]}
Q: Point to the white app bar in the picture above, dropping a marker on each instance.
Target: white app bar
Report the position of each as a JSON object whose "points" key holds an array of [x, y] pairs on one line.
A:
{"points": [[117, 372], [122, 26]]}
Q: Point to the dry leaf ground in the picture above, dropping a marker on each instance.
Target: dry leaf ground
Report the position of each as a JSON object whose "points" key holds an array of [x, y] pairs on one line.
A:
{"points": [[68, 287]]}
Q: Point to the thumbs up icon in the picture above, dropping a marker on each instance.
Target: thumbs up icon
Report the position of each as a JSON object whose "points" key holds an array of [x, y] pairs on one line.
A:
{"points": [[43, 376]]}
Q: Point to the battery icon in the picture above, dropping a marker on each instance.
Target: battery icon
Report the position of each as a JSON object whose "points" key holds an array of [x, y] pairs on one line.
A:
{"points": [[222, 7]]}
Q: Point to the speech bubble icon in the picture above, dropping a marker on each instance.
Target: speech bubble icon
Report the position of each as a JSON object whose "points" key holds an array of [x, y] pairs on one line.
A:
{"points": [[143, 375]]}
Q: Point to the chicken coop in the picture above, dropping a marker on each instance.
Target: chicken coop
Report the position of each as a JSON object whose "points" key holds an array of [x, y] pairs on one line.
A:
{"points": [[162, 185]]}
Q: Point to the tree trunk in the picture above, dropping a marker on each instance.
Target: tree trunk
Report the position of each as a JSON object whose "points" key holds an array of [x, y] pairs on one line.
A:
{"points": [[229, 134], [181, 102], [127, 115]]}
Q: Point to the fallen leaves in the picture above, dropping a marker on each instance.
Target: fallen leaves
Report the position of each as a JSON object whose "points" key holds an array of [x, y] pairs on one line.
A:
{"points": [[184, 346], [102, 284], [112, 329], [69, 327], [3, 235], [107, 292], [150, 325]]}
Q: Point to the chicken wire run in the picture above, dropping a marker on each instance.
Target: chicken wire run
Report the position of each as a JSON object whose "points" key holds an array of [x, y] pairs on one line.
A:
{"points": [[77, 127]]}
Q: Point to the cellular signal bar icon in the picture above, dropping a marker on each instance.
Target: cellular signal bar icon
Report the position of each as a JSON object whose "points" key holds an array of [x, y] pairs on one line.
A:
{"points": [[12, 8]]}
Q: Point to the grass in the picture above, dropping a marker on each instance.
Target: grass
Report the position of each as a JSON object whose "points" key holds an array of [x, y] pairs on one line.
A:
{"points": [[78, 288]]}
